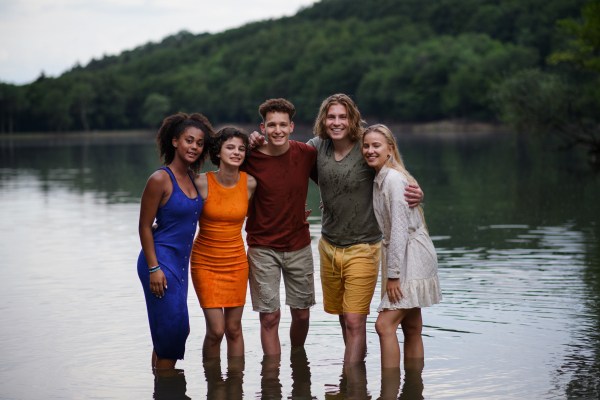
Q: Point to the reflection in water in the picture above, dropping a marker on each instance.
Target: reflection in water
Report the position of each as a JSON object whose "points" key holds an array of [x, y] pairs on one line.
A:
{"points": [[300, 374], [413, 381], [229, 388], [170, 385], [353, 383], [270, 385]]}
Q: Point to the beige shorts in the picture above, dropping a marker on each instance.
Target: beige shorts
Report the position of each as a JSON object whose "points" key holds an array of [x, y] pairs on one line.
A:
{"points": [[349, 276], [267, 266]]}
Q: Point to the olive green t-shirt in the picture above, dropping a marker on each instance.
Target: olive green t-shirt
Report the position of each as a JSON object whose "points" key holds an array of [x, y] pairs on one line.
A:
{"points": [[347, 194]]}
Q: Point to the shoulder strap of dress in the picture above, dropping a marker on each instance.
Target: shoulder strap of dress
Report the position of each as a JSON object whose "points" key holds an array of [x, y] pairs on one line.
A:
{"points": [[170, 174], [194, 183]]}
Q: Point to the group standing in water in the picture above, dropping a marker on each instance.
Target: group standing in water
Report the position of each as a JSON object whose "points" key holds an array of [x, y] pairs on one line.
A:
{"points": [[365, 191]]}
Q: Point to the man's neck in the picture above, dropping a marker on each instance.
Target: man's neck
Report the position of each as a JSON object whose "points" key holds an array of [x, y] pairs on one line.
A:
{"points": [[342, 147]]}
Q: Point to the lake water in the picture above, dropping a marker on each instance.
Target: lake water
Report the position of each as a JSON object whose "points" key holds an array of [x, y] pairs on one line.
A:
{"points": [[515, 228]]}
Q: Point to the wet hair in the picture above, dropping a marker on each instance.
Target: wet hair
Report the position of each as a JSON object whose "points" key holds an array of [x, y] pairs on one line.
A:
{"points": [[223, 135], [172, 127], [395, 161], [355, 121], [276, 105]]}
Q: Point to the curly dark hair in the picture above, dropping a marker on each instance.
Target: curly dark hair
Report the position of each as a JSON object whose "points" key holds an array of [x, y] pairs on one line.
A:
{"points": [[172, 127], [276, 105], [355, 121], [224, 134]]}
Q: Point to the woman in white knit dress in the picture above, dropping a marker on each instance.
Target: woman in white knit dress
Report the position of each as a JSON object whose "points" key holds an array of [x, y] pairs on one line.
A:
{"points": [[409, 262]]}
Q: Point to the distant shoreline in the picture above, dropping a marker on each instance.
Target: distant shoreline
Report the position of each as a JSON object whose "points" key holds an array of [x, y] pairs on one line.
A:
{"points": [[444, 129]]}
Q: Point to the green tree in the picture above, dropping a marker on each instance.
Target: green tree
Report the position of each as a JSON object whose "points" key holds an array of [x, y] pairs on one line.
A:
{"points": [[155, 109], [537, 102], [12, 102], [83, 94], [585, 47]]}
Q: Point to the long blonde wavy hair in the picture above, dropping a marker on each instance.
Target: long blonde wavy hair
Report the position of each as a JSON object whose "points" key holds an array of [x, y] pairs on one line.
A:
{"points": [[395, 161]]}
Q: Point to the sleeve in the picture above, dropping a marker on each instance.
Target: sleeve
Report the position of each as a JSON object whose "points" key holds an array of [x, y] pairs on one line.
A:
{"points": [[397, 210], [313, 142]]}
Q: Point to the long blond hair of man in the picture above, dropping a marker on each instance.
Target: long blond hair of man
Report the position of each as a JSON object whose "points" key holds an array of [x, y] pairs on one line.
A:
{"points": [[395, 161]]}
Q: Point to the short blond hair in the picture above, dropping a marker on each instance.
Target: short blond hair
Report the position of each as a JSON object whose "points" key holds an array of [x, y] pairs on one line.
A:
{"points": [[355, 121]]}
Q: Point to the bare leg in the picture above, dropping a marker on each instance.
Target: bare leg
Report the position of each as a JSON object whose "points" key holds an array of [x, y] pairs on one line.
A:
{"points": [[386, 326], [299, 326], [412, 326], [356, 337], [162, 363], [215, 329], [343, 325], [233, 331], [269, 332]]}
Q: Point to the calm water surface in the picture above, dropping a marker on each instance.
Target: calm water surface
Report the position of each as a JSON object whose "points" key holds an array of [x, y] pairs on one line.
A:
{"points": [[517, 236]]}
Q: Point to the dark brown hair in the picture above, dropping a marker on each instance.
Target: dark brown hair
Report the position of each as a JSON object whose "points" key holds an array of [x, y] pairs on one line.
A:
{"points": [[276, 105], [355, 121], [172, 127], [223, 135]]}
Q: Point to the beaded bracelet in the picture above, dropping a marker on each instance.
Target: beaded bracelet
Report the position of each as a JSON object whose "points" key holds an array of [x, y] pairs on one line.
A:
{"points": [[154, 269]]}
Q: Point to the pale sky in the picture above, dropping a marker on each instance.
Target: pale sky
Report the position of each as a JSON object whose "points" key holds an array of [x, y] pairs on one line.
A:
{"points": [[53, 35]]}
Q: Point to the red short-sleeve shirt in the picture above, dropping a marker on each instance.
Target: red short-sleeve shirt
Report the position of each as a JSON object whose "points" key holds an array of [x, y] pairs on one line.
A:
{"points": [[276, 215]]}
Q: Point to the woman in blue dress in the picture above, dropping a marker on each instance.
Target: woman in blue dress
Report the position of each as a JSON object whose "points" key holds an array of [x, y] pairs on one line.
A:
{"points": [[171, 198]]}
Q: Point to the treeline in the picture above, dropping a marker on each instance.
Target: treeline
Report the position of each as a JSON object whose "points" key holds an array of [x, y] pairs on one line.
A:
{"points": [[401, 60]]}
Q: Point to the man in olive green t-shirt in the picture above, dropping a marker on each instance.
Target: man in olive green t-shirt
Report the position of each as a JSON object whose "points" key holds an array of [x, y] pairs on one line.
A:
{"points": [[350, 246]]}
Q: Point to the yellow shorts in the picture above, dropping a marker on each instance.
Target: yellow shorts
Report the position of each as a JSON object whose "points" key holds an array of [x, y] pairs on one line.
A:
{"points": [[349, 276]]}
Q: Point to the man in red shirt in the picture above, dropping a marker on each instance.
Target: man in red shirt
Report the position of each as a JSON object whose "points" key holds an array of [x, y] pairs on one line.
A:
{"points": [[278, 236]]}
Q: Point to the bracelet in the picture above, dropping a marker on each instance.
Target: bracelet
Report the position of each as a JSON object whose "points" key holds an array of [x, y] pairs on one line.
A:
{"points": [[154, 269]]}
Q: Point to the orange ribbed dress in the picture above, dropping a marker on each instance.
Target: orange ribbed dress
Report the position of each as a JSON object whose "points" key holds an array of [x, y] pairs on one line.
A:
{"points": [[219, 265]]}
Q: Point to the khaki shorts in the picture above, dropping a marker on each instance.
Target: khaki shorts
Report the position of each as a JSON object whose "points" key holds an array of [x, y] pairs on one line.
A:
{"points": [[349, 276], [266, 267]]}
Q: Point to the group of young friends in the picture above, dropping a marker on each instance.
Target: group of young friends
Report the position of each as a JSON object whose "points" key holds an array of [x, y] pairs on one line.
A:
{"points": [[365, 192]]}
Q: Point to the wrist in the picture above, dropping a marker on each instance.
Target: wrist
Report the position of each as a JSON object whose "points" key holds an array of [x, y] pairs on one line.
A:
{"points": [[154, 269]]}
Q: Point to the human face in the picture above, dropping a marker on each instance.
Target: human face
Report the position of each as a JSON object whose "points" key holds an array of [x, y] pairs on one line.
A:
{"points": [[277, 127], [189, 145], [233, 152], [376, 150], [336, 122]]}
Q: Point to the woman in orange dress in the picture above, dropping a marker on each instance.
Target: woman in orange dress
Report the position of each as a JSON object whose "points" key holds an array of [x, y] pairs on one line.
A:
{"points": [[219, 265]]}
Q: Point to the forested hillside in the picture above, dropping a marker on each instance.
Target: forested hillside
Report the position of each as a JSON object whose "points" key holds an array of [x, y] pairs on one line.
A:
{"points": [[402, 60]]}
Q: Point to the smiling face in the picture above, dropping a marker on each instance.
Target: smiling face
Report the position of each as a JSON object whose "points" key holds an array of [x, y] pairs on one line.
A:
{"points": [[376, 150], [189, 144], [277, 127], [233, 152], [336, 122]]}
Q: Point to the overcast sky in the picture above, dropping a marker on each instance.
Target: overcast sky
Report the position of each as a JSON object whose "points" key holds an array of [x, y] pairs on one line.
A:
{"points": [[53, 35]]}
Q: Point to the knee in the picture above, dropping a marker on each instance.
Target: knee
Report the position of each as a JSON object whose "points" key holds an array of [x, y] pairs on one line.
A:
{"points": [[355, 324], [384, 328], [233, 331], [215, 334], [301, 317], [270, 321]]}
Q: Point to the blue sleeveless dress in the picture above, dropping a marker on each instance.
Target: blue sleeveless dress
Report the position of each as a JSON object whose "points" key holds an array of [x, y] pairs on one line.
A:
{"points": [[173, 238]]}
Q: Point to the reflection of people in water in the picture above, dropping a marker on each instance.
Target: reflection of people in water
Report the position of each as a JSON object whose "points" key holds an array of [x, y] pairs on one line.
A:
{"points": [[270, 383], [226, 389], [413, 382], [353, 383], [300, 374], [170, 386]]}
